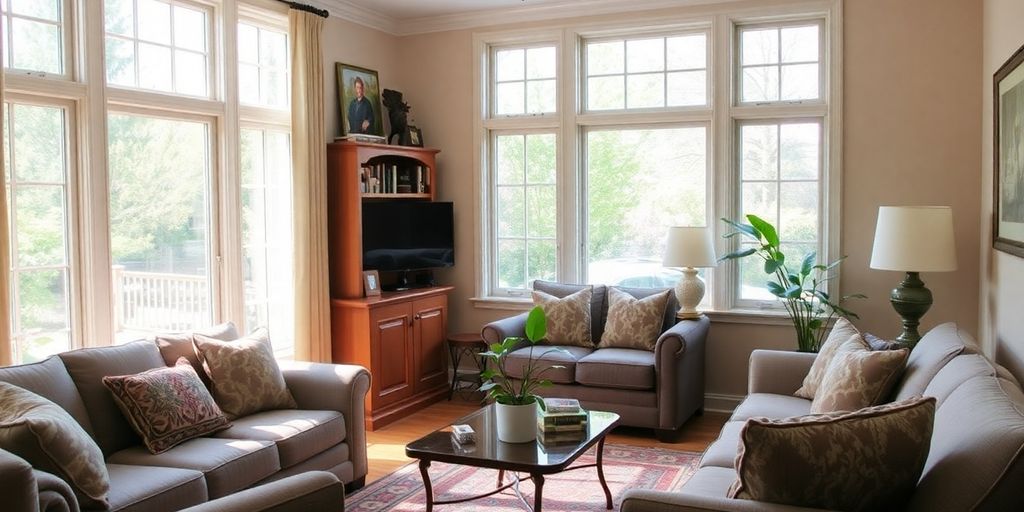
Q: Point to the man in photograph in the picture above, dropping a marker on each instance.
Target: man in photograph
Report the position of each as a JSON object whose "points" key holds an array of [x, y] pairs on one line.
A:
{"points": [[360, 113]]}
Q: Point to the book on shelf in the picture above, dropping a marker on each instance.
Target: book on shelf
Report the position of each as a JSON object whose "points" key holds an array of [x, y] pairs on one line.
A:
{"points": [[562, 405], [570, 427], [553, 438], [363, 137]]}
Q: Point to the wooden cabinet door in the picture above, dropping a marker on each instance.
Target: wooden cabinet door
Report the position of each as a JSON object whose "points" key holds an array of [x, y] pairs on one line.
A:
{"points": [[431, 319], [391, 346]]}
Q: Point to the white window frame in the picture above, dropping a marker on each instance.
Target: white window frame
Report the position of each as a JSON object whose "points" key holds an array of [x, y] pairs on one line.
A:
{"points": [[67, 35], [823, 44], [722, 115], [263, 20]]}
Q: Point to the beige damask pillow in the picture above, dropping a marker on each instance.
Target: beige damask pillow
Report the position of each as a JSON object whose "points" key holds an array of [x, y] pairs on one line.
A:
{"points": [[842, 333], [245, 375], [633, 323], [858, 379], [568, 317], [797, 461], [48, 438]]}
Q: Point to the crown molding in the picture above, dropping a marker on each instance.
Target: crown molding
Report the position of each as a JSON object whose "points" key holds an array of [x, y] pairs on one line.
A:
{"points": [[475, 19]]}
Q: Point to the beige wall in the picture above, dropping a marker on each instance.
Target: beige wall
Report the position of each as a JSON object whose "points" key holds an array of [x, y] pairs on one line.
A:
{"points": [[910, 137], [1002, 293]]}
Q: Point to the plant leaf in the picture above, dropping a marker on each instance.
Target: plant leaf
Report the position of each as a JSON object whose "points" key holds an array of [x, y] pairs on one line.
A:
{"points": [[793, 278], [765, 228], [793, 292], [745, 229], [536, 324], [776, 289], [808, 264], [738, 254], [770, 266]]}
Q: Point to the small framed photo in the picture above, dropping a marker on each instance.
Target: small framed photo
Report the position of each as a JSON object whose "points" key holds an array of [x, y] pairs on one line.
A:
{"points": [[414, 136], [371, 283]]}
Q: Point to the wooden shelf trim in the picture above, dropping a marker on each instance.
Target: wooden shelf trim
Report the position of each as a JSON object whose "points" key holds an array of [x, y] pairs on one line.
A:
{"points": [[392, 297]]}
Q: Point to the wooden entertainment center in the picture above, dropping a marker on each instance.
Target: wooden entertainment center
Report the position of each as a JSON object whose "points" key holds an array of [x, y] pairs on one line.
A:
{"points": [[400, 335]]}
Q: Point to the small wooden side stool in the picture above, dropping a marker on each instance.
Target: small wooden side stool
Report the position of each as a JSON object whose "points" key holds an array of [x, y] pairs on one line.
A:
{"points": [[466, 344]]}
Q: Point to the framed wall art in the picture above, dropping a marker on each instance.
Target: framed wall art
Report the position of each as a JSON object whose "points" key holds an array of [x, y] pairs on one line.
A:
{"points": [[1008, 155], [359, 102]]}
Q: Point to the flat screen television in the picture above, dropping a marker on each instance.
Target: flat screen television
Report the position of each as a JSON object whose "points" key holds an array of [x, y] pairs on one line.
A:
{"points": [[407, 235]]}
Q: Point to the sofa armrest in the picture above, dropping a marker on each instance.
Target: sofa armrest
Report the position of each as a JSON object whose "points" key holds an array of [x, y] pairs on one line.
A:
{"points": [[679, 371], [17, 483], [54, 493], [635, 500], [497, 331], [334, 387], [778, 371], [305, 492]]}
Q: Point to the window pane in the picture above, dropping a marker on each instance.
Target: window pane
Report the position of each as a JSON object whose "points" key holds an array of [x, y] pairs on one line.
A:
{"points": [[540, 158], [510, 98], [45, 9], [541, 260], [606, 93], [644, 55], [540, 62], [799, 82], [512, 264], [190, 73], [799, 151], [540, 210], [640, 182], [687, 52], [759, 46], [43, 315], [509, 156], [190, 29], [39, 137], [645, 91], [267, 235], [273, 49], [118, 17], [155, 67], [687, 88], [511, 208], [41, 225], [263, 66], [249, 83], [606, 58], [761, 84], [799, 211], [540, 96], [159, 236], [120, 62], [35, 46], [248, 43], [154, 21], [761, 199], [800, 44], [274, 87], [759, 147], [753, 279], [509, 65]]}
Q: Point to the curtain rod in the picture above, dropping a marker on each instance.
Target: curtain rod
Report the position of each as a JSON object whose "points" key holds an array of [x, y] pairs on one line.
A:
{"points": [[308, 8]]}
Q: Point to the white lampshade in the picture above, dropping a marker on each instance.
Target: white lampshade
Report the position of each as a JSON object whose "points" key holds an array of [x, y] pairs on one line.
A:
{"points": [[690, 247], [914, 239]]}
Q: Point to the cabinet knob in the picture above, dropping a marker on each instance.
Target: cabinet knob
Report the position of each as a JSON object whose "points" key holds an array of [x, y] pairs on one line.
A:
{"points": [[417, 316]]}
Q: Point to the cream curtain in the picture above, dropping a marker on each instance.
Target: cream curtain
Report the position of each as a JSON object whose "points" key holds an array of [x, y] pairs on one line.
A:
{"points": [[6, 343], [309, 185]]}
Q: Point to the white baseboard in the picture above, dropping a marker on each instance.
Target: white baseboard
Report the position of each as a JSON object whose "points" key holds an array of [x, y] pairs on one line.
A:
{"points": [[717, 402]]}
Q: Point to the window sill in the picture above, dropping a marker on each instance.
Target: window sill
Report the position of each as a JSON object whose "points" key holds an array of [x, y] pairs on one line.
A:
{"points": [[733, 316]]}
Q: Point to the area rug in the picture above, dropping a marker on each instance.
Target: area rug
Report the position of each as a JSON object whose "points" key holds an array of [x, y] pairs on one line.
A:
{"points": [[625, 467]]}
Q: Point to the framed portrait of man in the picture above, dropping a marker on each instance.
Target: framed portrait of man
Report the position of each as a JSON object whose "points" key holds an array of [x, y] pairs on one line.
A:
{"points": [[359, 101], [1008, 179]]}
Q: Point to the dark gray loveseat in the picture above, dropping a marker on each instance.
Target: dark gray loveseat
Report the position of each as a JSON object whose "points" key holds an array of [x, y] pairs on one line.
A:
{"points": [[659, 389]]}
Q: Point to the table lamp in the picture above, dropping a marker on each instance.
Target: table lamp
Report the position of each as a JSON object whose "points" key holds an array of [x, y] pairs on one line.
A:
{"points": [[913, 239], [689, 248]]}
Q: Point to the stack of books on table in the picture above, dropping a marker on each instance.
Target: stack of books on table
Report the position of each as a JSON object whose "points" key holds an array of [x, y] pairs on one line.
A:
{"points": [[561, 421]]}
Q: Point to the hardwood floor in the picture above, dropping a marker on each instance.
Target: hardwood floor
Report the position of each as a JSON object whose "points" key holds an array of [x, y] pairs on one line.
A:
{"points": [[386, 446]]}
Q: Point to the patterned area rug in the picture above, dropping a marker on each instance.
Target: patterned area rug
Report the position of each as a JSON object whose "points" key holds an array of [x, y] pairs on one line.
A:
{"points": [[625, 467]]}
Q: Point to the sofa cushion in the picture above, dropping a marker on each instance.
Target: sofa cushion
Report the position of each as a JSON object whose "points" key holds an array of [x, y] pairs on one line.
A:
{"points": [[632, 322], [229, 465], [623, 368], [299, 434], [936, 348], [722, 452], [568, 318], [794, 461], [50, 379], [598, 292], [770, 405], [46, 436], [167, 406], [245, 375], [843, 336], [977, 453], [671, 308], [959, 370], [858, 379], [711, 481], [146, 488], [547, 356], [87, 368], [182, 344]]}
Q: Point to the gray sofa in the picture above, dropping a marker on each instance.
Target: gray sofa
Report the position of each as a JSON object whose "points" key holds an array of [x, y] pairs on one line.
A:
{"points": [[976, 460], [324, 435], [659, 389]]}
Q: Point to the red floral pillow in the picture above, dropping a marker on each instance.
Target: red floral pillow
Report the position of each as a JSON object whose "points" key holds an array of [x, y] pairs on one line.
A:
{"points": [[167, 406]]}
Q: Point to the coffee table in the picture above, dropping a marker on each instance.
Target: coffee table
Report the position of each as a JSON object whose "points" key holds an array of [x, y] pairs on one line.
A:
{"points": [[534, 458]]}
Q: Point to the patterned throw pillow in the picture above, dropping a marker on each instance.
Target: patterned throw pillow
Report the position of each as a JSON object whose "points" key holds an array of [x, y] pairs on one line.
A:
{"points": [[182, 344], [49, 439], [866, 460], [842, 332], [245, 375], [568, 317], [633, 323], [167, 406], [858, 379]]}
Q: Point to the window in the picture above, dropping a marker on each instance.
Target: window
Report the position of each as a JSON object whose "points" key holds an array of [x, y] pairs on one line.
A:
{"points": [[159, 236], [524, 81], [654, 140], [158, 45], [262, 66], [35, 157], [267, 234], [33, 35], [647, 73]]}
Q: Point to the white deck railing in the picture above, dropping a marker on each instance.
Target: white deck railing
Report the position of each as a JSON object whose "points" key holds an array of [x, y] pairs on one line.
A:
{"points": [[152, 301]]}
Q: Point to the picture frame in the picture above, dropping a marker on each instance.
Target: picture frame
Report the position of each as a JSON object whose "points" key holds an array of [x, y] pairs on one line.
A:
{"points": [[359, 102], [371, 283], [413, 137], [1008, 156]]}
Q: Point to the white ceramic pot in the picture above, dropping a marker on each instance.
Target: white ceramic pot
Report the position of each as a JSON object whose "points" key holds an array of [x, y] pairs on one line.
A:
{"points": [[516, 423]]}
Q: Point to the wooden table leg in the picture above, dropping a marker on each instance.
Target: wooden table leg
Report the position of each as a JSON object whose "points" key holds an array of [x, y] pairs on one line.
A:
{"points": [[427, 489], [538, 484], [600, 473]]}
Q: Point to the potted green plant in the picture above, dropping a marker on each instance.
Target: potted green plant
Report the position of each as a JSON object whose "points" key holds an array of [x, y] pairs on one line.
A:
{"points": [[802, 292], [515, 401]]}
